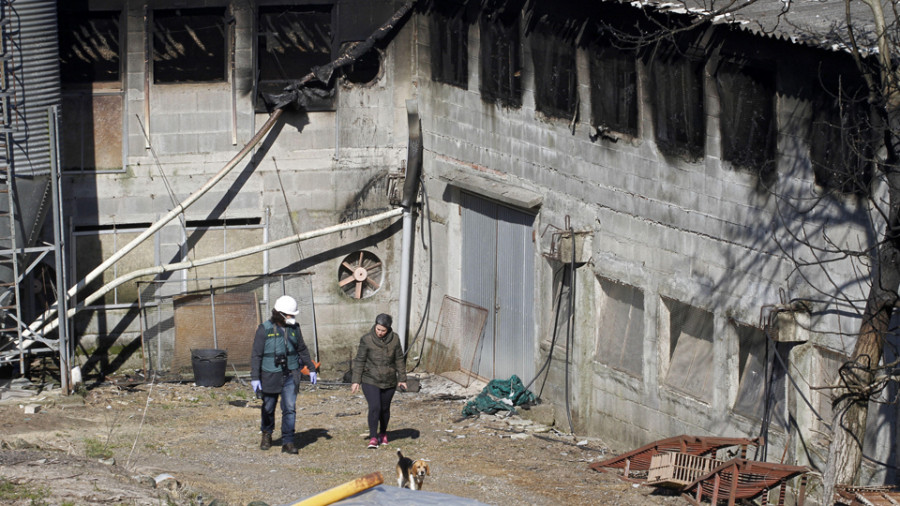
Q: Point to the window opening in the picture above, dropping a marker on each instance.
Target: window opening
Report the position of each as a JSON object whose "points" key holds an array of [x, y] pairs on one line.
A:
{"points": [[691, 342], [92, 100], [826, 374], [366, 69], [747, 117], [291, 41], [211, 240], [614, 89], [620, 327], [679, 119], [840, 147], [94, 246], [555, 83], [759, 365], [206, 238], [501, 63], [450, 45], [189, 45], [89, 49]]}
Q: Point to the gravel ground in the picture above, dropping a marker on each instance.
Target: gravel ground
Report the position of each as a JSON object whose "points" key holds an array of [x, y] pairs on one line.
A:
{"points": [[176, 443]]}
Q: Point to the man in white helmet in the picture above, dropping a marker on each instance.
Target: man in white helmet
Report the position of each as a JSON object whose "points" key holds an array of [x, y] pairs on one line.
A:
{"points": [[279, 354]]}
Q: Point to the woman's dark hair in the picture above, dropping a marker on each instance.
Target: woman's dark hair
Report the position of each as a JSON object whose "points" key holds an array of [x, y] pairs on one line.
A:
{"points": [[384, 320], [278, 319]]}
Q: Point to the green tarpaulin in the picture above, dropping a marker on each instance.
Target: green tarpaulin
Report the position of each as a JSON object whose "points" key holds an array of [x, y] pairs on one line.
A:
{"points": [[499, 395]]}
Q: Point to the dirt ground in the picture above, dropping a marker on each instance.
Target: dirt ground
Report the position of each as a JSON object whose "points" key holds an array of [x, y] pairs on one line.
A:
{"points": [[132, 443]]}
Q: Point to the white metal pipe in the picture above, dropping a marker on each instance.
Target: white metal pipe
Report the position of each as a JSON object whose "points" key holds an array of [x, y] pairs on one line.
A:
{"points": [[94, 274], [406, 254], [159, 269]]}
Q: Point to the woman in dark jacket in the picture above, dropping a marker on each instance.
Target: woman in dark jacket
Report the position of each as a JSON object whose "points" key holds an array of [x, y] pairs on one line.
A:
{"points": [[380, 367]]}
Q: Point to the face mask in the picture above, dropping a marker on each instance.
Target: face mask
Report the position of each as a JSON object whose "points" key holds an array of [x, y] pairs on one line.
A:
{"points": [[290, 321]]}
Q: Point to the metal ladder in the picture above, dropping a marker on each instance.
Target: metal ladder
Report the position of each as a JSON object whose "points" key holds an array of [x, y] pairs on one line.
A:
{"points": [[10, 310]]}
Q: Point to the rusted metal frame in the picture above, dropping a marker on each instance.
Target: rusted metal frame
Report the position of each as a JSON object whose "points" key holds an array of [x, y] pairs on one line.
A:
{"points": [[639, 459], [748, 479]]}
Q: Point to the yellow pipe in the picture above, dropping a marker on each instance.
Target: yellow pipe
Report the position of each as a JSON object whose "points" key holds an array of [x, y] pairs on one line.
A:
{"points": [[339, 492]]}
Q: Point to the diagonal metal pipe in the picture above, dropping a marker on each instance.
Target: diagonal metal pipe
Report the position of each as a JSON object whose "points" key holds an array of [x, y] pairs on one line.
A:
{"points": [[177, 266]]}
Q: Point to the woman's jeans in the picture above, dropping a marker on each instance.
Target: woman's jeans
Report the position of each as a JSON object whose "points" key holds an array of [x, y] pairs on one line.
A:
{"points": [[379, 400], [288, 410]]}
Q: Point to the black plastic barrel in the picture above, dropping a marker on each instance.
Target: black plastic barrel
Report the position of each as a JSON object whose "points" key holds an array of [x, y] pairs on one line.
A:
{"points": [[209, 367]]}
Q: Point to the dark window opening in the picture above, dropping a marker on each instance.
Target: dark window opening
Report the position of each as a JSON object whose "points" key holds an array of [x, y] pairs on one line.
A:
{"points": [[225, 222], [841, 150], [89, 49], [679, 119], [92, 105], [614, 90], [364, 70], [189, 45], [747, 117], [450, 46], [501, 63], [291, 41], [555, 76]]}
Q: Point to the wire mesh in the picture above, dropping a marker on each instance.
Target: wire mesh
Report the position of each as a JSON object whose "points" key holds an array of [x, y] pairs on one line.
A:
{"points": [[178, 316], [456, 339]]}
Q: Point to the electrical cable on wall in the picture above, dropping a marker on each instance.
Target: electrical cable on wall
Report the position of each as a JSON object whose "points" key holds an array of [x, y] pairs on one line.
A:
{"points": [[427, 310]]}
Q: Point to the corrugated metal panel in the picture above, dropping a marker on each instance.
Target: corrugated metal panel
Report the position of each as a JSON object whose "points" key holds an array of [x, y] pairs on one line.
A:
{"points": [[514, 341], [479, 246], [35, 82], [498, 274]]}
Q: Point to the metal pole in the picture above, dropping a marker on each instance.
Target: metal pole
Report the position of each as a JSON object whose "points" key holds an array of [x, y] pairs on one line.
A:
{"points": [[65, 352], [212, 305], [141, 322], [409, 228], [312, 305]]}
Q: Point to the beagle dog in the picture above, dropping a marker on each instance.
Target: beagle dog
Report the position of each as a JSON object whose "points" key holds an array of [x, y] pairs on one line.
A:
{"points": [[411, 473]]}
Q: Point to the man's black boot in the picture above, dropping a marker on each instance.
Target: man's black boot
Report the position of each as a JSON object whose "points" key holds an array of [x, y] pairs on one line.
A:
{"points": [[289, 448], [266, 441]]}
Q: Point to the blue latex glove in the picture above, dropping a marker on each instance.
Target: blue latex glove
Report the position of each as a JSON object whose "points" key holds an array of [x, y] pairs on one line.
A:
{"points": [[255, 385], [313, 377]]}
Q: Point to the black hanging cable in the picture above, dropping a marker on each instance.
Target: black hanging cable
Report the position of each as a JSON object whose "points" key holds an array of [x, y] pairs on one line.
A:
{"points": [[427, 310], [552, 345]]}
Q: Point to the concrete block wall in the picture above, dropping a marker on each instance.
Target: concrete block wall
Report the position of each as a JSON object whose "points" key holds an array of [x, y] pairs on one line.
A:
{"points": [[702, 233], [315, 169]]}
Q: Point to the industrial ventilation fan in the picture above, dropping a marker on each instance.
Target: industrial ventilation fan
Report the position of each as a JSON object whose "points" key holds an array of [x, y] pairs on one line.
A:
{"points": [[360, 275]]}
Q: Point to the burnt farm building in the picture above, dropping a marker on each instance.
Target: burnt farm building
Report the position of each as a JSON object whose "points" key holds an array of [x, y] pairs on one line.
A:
{"points": [[661, 232]]}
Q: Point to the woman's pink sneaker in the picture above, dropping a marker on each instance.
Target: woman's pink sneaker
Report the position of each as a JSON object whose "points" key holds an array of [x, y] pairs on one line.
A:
{"points": [[383, 438], [373, 442]]}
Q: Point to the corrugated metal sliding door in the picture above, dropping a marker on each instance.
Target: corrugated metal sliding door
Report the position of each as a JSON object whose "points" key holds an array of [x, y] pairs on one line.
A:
{"points": [[498, 274]]}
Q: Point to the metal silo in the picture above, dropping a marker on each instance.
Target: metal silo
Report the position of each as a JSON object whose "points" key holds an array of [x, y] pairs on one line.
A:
{"points": [[29, 97]]}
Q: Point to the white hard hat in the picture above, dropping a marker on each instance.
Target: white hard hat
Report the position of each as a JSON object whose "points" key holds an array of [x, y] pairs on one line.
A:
{"points": [[287, 305]]}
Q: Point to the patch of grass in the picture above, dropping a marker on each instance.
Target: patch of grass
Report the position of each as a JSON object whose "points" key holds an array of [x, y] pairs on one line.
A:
{"points": [[10, 491], [240, 394], [96, 449], [312, 470]]}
